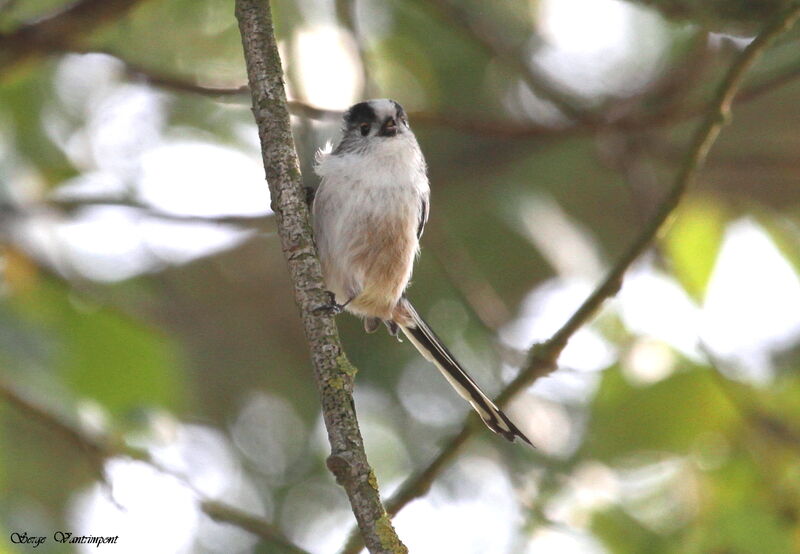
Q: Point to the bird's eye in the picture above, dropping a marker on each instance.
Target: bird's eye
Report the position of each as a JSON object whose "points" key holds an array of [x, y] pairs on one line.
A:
{"points": [[364, 129]]}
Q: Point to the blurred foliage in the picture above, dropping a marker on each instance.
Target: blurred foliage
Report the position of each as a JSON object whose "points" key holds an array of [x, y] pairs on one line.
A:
{"points": [[694, 242], [686, 452], [725, 16]]}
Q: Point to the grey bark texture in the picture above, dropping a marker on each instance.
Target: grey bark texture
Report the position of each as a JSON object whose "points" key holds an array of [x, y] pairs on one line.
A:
{"points": [[334, 373]]}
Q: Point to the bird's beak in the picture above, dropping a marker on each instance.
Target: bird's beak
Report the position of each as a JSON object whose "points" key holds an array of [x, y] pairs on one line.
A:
{"points": [[389, 128]]}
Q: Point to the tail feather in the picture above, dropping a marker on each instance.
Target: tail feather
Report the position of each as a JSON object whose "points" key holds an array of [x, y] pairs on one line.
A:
{"points": [[434, 350]]}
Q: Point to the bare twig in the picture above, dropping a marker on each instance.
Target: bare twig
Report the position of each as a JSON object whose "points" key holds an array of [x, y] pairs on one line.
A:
{"points": [[334, 373], [346, 13], [94, 449], [543, 357], [493, 44], [717, 115], [225, 513], [100, 448], [260, 222], [58, 31], [466, 279], [466, 124]]}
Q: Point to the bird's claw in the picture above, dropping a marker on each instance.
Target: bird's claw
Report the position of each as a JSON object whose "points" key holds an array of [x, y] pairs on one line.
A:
{"points": [[331, 308]]}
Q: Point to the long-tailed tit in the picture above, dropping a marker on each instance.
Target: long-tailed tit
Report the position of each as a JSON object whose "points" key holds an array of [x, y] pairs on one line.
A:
{"points": [[369, 213]]}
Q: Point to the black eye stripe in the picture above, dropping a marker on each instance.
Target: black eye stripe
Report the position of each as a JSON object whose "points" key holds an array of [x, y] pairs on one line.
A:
{"points": [[364, 129], [359, 113]]}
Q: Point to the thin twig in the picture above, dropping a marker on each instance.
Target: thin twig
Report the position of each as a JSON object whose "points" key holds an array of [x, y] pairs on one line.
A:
{"points": [[466, 279], [456, 122], [262, 222], [346, 14], [494, 45], [95, 449], [717, 115], [334, 373], [543, 357], [225, 513], [100, 448], [58, 31]]}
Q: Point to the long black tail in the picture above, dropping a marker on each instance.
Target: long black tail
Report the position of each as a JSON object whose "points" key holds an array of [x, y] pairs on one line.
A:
{"points": [[432, 348]]}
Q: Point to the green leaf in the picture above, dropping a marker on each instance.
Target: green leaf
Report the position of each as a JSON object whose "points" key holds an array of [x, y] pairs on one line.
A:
{"points": [[621, 533], [101, 353], [741, 515], [666, 416], [693, 243]]}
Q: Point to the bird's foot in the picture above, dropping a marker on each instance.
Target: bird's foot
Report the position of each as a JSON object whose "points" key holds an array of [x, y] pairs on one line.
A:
{"points": [[331, 308]]}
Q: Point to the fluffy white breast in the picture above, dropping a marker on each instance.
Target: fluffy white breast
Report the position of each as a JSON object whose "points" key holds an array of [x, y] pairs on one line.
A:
{"points": [[386, 162]]}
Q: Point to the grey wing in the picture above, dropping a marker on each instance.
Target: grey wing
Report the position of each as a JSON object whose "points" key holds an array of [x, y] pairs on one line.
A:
{"points": [[424, 206]]}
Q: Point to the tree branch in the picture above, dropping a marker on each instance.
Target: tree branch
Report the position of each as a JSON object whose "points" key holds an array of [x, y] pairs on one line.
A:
{"points": [[346, 14], [225, 513], [717, 115], [265, 223], [334, 373], [670, 114], [494, 45], [98, 449], [57, 31], [543, 357]]}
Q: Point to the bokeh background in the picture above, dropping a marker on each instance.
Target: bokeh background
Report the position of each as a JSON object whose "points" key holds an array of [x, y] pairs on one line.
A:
{"points": [[144, 296]]}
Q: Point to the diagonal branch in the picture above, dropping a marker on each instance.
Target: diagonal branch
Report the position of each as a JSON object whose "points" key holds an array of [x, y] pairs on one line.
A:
{"points": [[494, 45], [98, 449], [333, 371], [543, 357], [225, 513], [57, 31]]}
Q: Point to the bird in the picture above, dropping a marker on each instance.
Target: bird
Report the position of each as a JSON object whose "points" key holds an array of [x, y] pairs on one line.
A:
{"points": [[369, 212]]}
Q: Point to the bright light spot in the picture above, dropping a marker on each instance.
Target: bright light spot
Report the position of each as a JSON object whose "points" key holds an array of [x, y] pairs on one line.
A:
{"points": [[752, 304], [93, 418], [566, 386], [599, 47], [660, 493], [82, 80], [563, 541], [91, 185], [122, 120], [547, 424], [154, 509], [648, 361], [328, 66], [595, 484], [427, 396], [547, 308], [590, 488], [654, 305], [386, 452], [201, 454], [565, 244], [103, 244], [126, 123], [317, 515], [270, 433], [483, 500], [381, 425], [203, 179], [113, 243], [181, 242]]}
